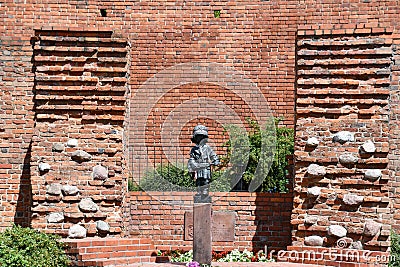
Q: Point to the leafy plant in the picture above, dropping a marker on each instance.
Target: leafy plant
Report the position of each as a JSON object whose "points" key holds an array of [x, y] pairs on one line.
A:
{"points": [[237, 256], [244, 256], [256, 148], [25, 247], [394, 260], [133, 186], [169, 177], [183, 257]]}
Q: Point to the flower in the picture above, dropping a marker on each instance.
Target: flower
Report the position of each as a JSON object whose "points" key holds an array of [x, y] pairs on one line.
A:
{"points": [[193, 264]]}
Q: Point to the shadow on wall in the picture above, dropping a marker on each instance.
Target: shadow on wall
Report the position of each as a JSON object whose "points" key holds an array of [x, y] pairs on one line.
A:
{"points": [[22, 214], [274, 235]]}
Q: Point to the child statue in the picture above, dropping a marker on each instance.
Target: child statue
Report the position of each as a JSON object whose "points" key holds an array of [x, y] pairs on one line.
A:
{"points": [[202, 156]]}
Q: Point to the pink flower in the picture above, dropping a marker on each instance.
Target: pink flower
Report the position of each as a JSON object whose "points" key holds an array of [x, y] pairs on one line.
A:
{"points": [[193, 264]]}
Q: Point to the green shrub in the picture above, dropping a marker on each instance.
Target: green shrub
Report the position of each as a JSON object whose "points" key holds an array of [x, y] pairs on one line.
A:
{"points": [[275, 178], [238, 256], [183, 257], [25, 247], [133, 186], [168, 177], [394, 250]]}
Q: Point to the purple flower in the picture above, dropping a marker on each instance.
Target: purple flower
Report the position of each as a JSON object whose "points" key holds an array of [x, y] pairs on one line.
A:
{"points": [[193, 264]]}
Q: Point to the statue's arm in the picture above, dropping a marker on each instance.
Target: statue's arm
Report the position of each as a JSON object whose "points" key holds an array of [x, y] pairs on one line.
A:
{"points": [[214, 158], [194, 166]]}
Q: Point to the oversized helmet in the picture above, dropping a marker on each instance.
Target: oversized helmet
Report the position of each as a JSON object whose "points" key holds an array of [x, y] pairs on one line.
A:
{"points": [[200, 130]]}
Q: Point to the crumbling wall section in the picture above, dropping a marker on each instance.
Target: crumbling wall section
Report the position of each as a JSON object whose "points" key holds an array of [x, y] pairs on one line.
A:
{"points": [[80, 94], [342, 185]]}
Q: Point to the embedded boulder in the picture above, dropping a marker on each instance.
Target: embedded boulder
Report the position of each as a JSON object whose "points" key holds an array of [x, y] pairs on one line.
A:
{"points": [[100, 172], [58, 147], [314, 191], [347, 159], [69, 190], [352, 199], [337, 230], [44, 167], [371, 228], [343, 137], [81, 156], [77, 231], [314, 240], [368, 147], [54, 189], [87, 205], [55, 217], [102, 226], [312, 142], [356, 245], [316, 170], [72, 143], [373, 174], [310, 219]]}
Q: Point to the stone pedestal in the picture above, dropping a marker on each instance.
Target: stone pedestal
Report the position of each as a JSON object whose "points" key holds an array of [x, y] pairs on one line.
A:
{"points": [[202, 246]]}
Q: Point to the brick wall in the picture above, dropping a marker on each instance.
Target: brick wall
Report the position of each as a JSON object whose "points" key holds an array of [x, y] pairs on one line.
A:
{"points": [[340, 91], [80, 91], [253, 38], [261, 219], [256, 38], [394, 159]]}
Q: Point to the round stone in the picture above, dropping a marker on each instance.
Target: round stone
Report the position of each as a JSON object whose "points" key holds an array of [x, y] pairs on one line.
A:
{"points": [[87, 205], [371, 228], [55, 217], [102, 226], [72, 143], [312, 141], [58, 147], [343, 137], [44, 167], [347, 159], [310, 219], [314, 240], [69, 190], [77, 231], [352, 199], [100, 172], [81, 156], [314, 191], [54, 189], [316, 170], [356, 245], [373, 174], [337, 230], [368, 147]]}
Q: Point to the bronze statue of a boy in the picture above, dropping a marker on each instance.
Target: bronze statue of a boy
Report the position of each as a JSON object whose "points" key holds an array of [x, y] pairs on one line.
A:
{"points": [[202, 156]]}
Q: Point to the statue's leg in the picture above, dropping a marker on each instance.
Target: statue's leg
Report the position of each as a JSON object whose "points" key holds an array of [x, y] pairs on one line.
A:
{"points": [[199, 185], [206, 187]]}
